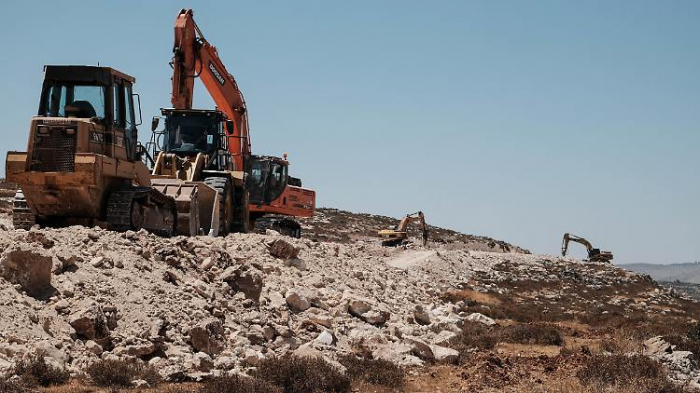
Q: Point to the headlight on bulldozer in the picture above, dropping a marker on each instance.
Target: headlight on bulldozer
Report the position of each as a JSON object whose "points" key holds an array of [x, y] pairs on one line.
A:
{"points": [[43, 130], [70, 131]]}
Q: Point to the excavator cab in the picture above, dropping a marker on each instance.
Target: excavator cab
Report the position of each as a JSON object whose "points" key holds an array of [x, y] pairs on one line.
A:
{"points": [[267, 179]]}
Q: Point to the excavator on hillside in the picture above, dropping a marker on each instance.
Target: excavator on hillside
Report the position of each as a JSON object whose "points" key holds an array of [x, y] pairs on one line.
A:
{"points": [[214, 145], [594, 254], [82, 163], [399, 233]]}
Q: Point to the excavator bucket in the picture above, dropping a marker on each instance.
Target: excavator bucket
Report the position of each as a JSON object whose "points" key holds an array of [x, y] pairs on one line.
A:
{"points": [[197, 206]]}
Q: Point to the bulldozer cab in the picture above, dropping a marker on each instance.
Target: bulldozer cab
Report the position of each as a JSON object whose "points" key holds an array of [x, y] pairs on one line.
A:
{"points": [[267, 179], [190, 132], [99, 98]]}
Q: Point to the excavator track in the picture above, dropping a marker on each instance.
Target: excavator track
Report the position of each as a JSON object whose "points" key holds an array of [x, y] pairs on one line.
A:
{"points": [[285, 226], [142, 207], [22, 216]]}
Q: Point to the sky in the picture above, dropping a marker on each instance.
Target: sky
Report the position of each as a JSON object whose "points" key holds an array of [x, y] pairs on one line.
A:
{"points": [[511, 119]]}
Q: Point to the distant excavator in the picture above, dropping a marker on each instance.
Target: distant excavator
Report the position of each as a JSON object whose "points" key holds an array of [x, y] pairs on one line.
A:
{"points": [[594, 254], [399, 233]]}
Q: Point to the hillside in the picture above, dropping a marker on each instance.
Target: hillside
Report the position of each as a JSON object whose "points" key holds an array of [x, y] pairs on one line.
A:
{"points": [[345, 227], [464, 313]]}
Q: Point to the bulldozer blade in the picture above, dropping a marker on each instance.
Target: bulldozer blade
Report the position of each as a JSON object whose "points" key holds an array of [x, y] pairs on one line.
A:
{"points": [[197, 206]]}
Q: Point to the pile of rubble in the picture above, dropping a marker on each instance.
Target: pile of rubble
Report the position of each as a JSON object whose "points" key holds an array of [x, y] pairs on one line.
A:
{"points": [[196, 307]]}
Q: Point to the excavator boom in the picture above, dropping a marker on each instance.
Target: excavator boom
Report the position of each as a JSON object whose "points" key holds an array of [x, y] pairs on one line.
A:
{"points": [[194, 57], [267, 188]]}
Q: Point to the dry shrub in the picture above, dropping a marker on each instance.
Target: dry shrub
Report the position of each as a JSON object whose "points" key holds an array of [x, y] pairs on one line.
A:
{"points": [[238, 384], [638, 371], [120, 373], [637, 326], [473, 336], [532, 334], [375, 371], [12, 387], [35, 371], [302, 374], [684, 343]]}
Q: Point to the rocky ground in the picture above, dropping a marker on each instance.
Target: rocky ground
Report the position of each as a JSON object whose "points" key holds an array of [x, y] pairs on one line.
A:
{"points": [[464, 313]]}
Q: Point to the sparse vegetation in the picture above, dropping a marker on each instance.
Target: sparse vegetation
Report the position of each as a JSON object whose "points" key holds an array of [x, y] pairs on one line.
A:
{"points": [[616, 370], [120, 373], [475, 336], [238, 384], [374, 371], [533, 334], [12, 387], [34, 371], [302, 374]]}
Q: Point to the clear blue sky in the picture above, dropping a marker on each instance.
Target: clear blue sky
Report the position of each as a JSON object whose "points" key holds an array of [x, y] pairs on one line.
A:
{"points": [[512, 119]]}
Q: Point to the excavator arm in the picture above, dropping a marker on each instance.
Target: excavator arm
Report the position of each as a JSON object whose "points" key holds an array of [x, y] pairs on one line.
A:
{"points": [[576, 239], [194, 57], [594, 254]]}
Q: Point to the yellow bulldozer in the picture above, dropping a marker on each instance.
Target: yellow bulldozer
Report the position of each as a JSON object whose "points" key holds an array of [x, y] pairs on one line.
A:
{"points": [[83, 163]]}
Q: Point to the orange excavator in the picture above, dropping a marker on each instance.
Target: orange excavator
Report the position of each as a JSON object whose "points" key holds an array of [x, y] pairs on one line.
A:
{"points": [[262, 183]]}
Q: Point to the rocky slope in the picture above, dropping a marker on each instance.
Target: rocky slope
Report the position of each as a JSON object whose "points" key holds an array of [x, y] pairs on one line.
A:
{"points": [[341, 226], [197, 307]]}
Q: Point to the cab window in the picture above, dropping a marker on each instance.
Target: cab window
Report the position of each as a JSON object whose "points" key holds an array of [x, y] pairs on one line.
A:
{"points": [[117, 99], [130, 121]]}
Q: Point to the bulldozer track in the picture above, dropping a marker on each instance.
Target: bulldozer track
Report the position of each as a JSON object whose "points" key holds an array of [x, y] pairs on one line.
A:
{"points": [[22, 216], [121, 202]]}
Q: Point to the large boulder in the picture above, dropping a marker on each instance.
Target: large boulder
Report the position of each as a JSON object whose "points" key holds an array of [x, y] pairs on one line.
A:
{"points": [[364, 311], [358, 307], [282, 249], [29, 266], [444, 354], [244, 279], [90, 322], [421, 316], [297, 302], [208, 337], [480, 318], [422, 350]]}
